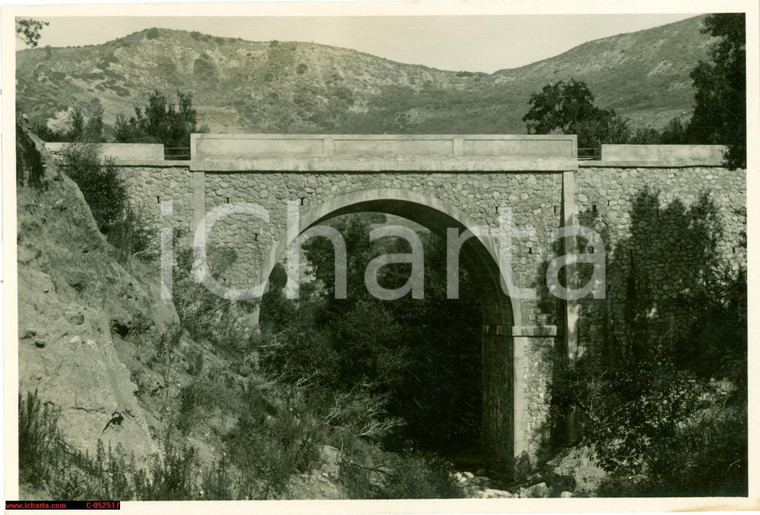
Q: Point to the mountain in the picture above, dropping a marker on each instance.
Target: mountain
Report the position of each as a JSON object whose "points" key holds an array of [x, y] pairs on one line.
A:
{"points": [[246, 86]]}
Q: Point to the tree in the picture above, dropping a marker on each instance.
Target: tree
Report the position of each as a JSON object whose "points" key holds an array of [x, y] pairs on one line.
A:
{"points": [[720, 111], [674, 133], [568, 108], [29, 30], [559, 106], [80, 129], [159, 122], [604, 126], [100, 183]]}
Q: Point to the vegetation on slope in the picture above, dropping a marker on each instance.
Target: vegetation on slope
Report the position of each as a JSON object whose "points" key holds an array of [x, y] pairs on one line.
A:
{"points": [[303, 87], [660, 393]]}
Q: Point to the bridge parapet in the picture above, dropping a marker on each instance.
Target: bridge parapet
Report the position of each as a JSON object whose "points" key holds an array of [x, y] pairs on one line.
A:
{"points": [[383, 152], [121, 152], [660, 155]]}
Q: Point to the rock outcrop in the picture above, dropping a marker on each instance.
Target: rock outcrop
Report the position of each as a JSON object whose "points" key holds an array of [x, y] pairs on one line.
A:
{"points": [[71, 289]]}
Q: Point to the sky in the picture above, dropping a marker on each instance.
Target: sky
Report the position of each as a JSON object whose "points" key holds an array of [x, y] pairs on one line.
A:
{"points": [[471, 43]]}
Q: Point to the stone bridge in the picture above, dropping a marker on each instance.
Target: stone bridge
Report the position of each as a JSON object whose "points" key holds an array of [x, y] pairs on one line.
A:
{"points": [[441, 182]]}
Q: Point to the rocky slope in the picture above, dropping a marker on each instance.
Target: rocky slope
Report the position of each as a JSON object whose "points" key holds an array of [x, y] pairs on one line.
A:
{"points": [[245, 86], [75, 302]]}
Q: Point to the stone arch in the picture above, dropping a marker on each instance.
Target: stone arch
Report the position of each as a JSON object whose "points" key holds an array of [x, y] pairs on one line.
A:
{"points": [[480, 255], [500, 311]]}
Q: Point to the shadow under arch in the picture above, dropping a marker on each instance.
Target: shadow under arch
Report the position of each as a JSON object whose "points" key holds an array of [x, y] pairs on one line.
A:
{"points": [[479, 255]]}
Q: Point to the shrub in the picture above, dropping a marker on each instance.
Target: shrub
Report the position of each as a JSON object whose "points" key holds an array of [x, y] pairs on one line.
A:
{"points": [[134, 236], [99, 181], [646, 395], [45, 461], [39, 439], [218, 482], [359, 480], [164, 357], [203, 314], [162, 121], [107, 476], [294, 356], [204, 68], [272, 440], [707, 457], [195, 363], [408, 475], [363, 414], [140, 324], [80, 129], [153, 33], [172, 479], [419, 476], [205, 398]]}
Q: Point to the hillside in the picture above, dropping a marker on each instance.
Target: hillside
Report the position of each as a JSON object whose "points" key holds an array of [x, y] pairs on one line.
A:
{"points": [[244, 86]]}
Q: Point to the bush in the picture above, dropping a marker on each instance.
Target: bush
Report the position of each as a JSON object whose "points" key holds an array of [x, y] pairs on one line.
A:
{"points": [[709, 453], [99, 181], [205, 398], [172, 479], [39, 440], [408, 475], [218, 482], [195, 363], [419, 476], [363, 414], [203, 314], [647, 393], [45, 461], [107, 476], [140, 324], [274, 438], [162, 121], [153, 33], [80, 128], [134, 236]]}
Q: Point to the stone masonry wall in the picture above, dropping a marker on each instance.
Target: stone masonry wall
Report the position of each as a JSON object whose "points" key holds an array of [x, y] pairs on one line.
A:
{"points": [[537, 374], [534, 198], [654, 222], [148, 186]]}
